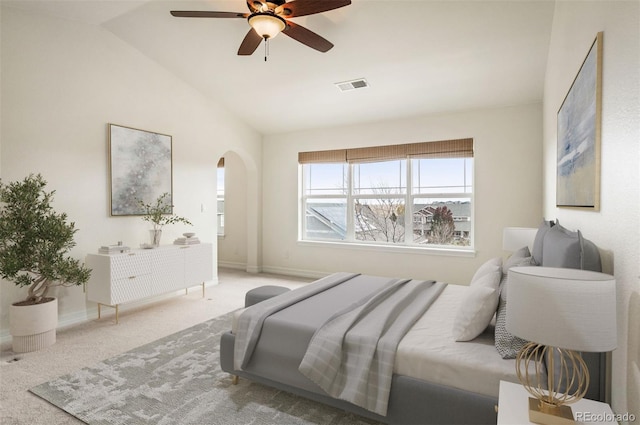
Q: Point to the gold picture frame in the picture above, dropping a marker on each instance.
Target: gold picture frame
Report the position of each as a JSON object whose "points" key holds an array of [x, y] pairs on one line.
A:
{"points": [[579, 133], [140, 168]]}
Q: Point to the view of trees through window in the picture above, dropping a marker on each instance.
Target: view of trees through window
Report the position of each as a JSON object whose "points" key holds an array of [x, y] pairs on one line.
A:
{"points": [[408, 201]]}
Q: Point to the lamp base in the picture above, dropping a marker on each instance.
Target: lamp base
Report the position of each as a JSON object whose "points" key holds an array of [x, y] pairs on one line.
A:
{"points": [[541, 413]]}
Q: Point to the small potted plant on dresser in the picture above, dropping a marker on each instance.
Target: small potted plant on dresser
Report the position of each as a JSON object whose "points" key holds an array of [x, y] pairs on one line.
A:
{"points": [[34, 245], [159, 214]]}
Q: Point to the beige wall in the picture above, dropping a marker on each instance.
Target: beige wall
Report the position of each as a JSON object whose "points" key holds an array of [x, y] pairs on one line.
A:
{"points": [[616, 227], [507, 145], [62, 82]]}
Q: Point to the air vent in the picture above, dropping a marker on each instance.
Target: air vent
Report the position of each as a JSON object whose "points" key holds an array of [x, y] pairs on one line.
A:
{"points": [[360, 83]]}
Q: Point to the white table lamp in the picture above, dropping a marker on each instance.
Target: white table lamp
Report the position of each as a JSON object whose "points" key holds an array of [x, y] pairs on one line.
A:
{"points": [[561, 311]]}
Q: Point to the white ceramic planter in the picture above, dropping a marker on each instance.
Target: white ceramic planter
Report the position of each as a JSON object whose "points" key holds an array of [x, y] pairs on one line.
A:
{"points": [[33, 327]]}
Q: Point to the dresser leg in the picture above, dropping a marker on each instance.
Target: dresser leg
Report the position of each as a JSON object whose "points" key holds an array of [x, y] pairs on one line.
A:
{"points": [[117, 313], [98, 310], [234, 379], [202, 289]]}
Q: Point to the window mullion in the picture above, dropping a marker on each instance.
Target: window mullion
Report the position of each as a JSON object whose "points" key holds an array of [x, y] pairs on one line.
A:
{"points": [[351, 234], [408, 205]]}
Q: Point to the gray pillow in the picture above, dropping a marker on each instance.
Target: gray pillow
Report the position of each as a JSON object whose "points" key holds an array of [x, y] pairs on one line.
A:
{"points": [[567, 249], [537, 250]]}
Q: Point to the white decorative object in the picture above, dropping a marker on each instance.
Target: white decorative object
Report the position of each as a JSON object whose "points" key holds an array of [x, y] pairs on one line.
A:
{"points": [[33, 327], [141, 273]]}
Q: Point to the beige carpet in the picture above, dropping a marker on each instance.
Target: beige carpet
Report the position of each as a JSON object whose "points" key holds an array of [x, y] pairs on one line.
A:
{"points": [[97, 340]]}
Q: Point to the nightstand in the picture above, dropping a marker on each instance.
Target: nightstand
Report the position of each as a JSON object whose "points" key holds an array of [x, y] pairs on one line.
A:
{"points": [[513, 408]]}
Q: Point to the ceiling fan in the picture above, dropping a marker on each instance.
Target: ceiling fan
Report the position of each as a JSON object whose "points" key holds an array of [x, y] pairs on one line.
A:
{"points": [[269, 18]]}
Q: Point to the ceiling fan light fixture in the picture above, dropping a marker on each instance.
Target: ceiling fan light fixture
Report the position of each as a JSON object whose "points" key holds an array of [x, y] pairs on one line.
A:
{"points": [[267, 25]]}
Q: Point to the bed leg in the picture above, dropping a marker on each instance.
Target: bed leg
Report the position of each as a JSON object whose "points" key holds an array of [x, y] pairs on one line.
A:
{"points": [[234, 379]]}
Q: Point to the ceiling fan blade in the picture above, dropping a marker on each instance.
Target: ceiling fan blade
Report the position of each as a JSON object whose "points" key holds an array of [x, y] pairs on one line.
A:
{"points": [[207, 14], [307, 37], [250, 43], [308, 7]]}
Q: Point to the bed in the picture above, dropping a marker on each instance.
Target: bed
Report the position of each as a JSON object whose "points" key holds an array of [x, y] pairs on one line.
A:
{"points": [[443, 364]]}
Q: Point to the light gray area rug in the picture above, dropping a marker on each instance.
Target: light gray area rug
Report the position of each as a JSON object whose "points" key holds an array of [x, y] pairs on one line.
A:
{"points": [[178, 380]]}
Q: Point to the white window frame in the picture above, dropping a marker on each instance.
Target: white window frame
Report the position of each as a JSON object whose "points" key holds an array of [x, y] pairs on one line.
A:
{"points": [[409, 198]]}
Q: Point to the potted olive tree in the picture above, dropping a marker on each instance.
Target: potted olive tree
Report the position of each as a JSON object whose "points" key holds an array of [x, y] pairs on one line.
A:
{"points": [[34, 245], [159, 214]]}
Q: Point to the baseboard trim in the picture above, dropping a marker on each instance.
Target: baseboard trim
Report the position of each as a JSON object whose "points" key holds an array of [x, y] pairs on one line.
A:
{"points": [[232, 265], [91, 313], [312, 274]]}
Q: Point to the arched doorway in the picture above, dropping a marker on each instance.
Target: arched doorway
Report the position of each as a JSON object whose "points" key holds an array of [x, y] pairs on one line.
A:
{"points": [[238, 212]]}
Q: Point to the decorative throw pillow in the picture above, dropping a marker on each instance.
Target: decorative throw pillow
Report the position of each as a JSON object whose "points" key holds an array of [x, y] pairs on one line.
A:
{"points": [[538, 242], [491, 267], [507, 344], [567, 249], [476, 311], [516, 257], [480, 301]]}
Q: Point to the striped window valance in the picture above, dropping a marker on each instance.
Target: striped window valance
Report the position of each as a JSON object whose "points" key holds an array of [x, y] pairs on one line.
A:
{"points": [[458, 148]]}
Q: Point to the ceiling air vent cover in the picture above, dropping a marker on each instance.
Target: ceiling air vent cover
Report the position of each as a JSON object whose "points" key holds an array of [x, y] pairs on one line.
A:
{"points": [[360, 83]]}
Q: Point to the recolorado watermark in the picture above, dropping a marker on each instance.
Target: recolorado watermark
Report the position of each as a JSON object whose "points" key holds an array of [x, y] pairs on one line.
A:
{"points": [[604, 417]]}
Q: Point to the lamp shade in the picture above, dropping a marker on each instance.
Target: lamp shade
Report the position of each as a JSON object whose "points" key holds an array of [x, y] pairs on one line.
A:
{"points": [[565, 308], [267, 25], [514, 238]]}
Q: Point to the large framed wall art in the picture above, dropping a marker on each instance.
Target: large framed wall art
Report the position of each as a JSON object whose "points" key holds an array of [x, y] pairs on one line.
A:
{"points": [[579, 129], [140, 168]]}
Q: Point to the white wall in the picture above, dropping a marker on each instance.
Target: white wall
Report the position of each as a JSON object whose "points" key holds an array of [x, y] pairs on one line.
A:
{"points": [[507, 145], [62, 82], [617, 226], [232, 248]]}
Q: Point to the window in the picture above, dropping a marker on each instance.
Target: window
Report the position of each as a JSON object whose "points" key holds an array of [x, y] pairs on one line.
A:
{"points": [[415, 194], [220, 202]]}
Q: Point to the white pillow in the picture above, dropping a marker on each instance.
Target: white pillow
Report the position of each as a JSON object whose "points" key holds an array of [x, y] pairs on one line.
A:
{"points": [[476, 311], [492, 266]]}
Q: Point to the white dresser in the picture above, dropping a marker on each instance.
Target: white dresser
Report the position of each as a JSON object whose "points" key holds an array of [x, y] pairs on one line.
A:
{"points": [[141, 273]]}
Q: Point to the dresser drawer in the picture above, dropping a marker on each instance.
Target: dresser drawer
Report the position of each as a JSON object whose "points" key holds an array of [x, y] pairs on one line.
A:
{"points": [[130, 264], [131, 288]]}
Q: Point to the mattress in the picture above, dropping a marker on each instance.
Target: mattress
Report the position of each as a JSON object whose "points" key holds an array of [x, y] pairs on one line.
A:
{"points": [[427, 352], [430, 353]]}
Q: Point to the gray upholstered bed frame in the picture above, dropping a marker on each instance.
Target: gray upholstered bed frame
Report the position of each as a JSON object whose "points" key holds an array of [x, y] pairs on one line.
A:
{"points": [[413, 401]]}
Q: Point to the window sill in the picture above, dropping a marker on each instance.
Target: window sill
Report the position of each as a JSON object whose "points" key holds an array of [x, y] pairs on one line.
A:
{"points": [[398, 249]]}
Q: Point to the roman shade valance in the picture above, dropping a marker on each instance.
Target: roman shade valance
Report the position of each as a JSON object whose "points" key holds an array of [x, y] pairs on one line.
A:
{"points": [[458, 148]]}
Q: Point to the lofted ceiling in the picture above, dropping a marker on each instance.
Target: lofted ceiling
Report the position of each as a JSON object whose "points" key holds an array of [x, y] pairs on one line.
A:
{"points": [[419, 57]]}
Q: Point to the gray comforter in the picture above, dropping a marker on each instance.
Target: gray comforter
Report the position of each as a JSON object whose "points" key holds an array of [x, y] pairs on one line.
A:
{"points": [[351, 356], [350, 352]]}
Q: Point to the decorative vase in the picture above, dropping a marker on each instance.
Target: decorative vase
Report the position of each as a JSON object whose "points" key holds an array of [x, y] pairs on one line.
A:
{"points": [[155, 236], [33, 327]]}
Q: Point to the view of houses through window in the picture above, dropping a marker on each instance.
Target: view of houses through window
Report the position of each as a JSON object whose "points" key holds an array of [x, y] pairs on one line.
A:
{"points": [[413, 201]]}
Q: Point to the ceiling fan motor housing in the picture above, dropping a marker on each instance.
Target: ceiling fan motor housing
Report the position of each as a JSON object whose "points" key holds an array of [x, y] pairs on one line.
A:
{"points": [[266, 24]]}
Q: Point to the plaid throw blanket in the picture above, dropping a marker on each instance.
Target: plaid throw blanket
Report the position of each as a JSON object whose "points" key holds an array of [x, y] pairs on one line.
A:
{"points": [[352, 355]]}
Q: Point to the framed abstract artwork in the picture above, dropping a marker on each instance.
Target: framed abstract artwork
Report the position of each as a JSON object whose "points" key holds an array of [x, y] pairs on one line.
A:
{"points": [[579, 129], [140, 168]]}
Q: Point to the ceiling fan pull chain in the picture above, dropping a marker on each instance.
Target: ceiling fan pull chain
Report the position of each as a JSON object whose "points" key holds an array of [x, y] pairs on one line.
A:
{"points": [[266, 48]]}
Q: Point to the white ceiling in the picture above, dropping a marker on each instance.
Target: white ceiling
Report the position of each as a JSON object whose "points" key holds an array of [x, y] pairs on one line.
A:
{"points": [[419, 57]]}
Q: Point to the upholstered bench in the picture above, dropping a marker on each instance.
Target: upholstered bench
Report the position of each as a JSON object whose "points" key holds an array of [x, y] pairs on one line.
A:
{"points": [[262, 293]]}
